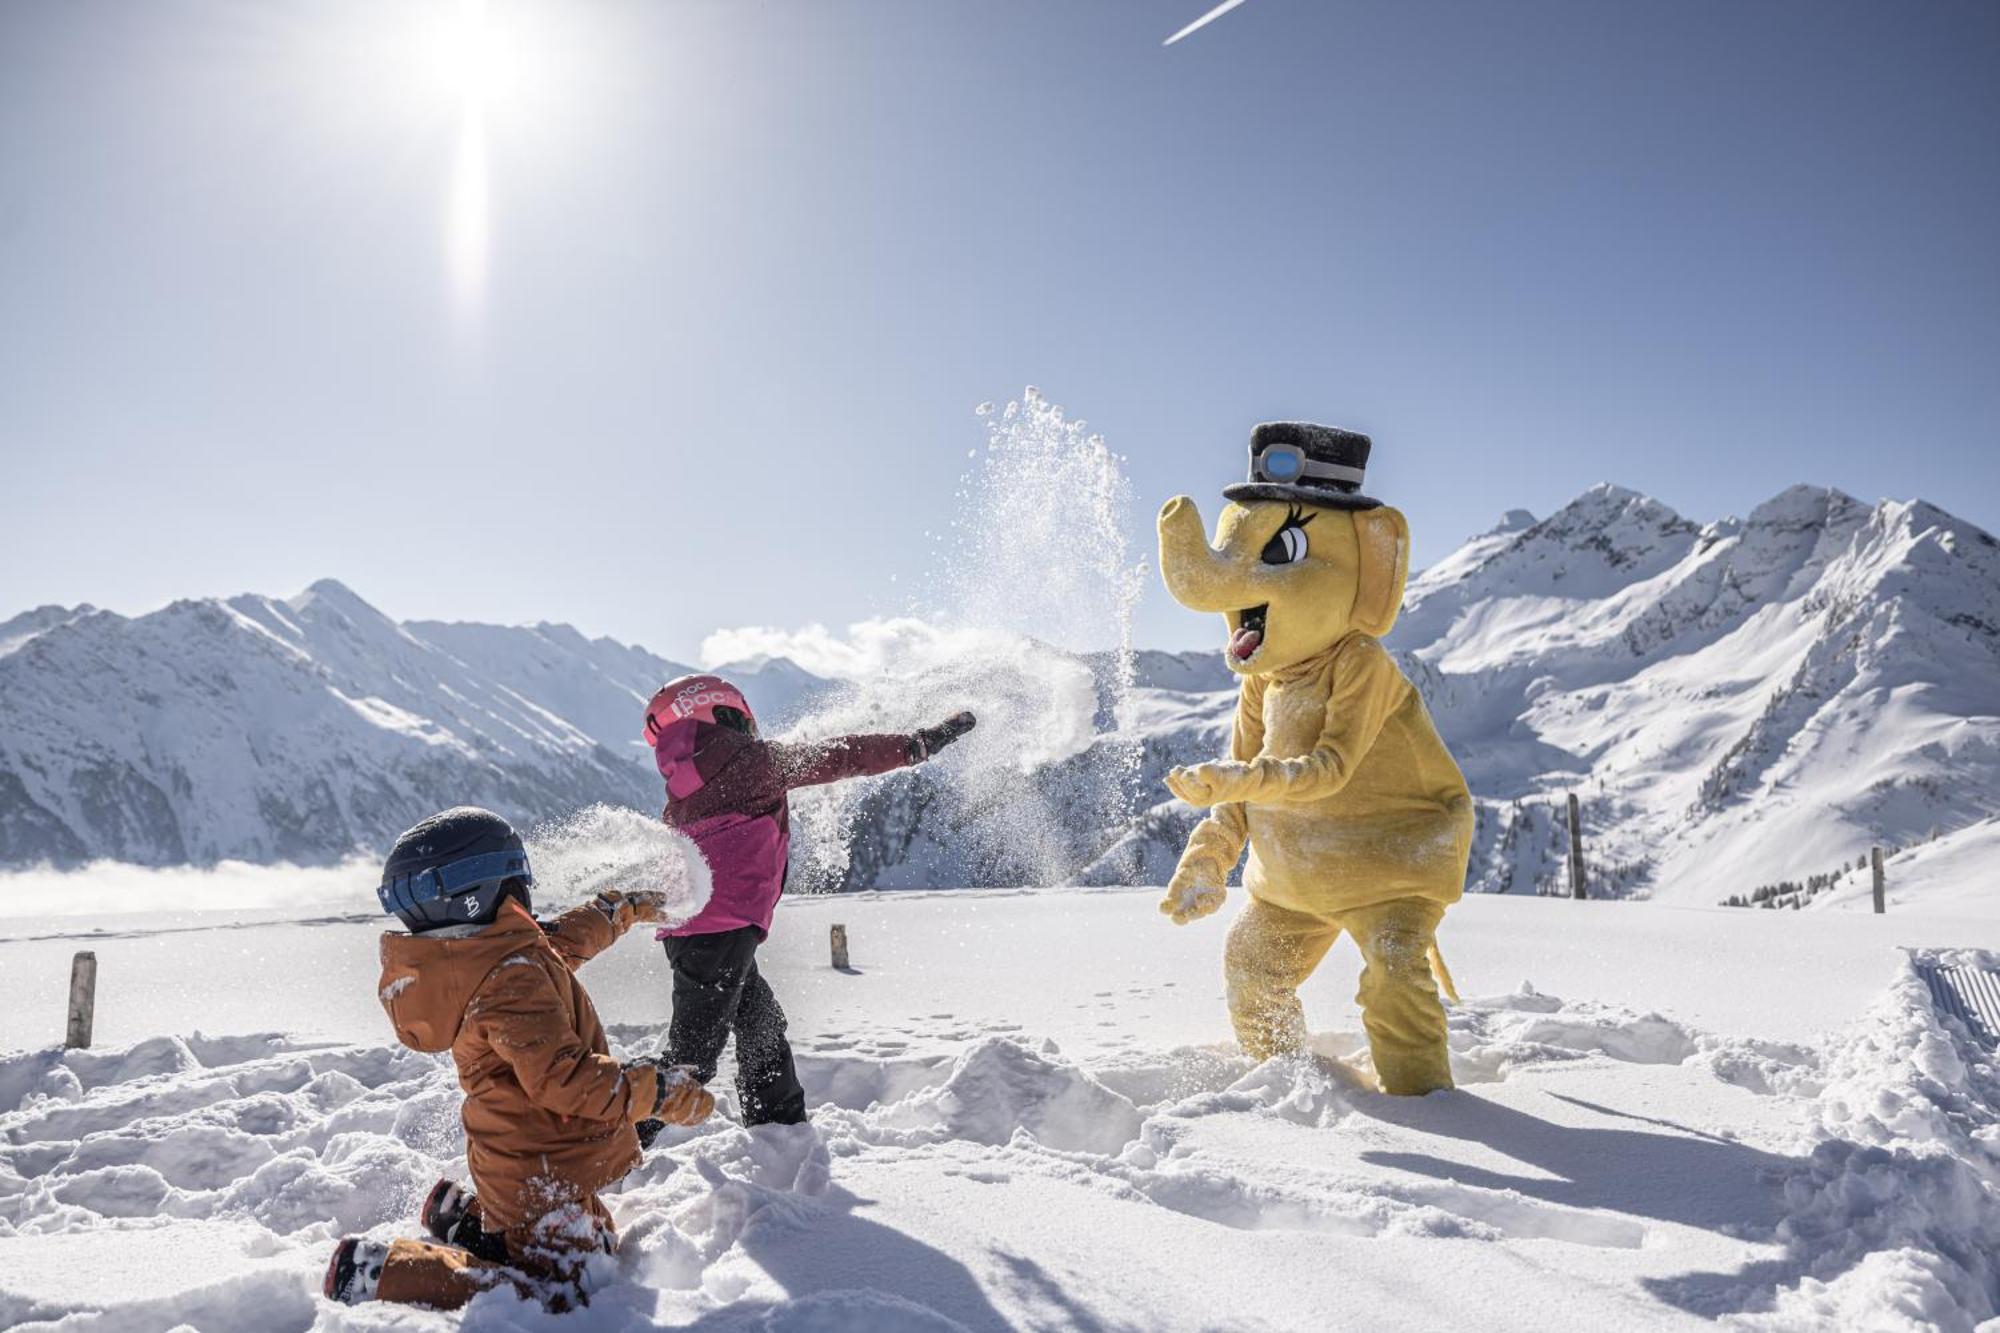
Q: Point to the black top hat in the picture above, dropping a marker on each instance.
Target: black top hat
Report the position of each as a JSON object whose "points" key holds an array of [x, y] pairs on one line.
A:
{"points": [[1306, 464]]}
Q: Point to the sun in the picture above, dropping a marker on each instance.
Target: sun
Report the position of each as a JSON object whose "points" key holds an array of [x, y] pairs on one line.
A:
{"points": [[474, 58]]}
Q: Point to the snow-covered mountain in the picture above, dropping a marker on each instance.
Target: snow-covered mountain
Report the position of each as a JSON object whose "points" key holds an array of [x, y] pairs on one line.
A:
{"points": [[1743, 705], [303, 729], [306, 729]]}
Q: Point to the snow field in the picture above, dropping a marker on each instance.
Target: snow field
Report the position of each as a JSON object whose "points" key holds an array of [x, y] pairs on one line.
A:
{"points": [[1019, 1123]]}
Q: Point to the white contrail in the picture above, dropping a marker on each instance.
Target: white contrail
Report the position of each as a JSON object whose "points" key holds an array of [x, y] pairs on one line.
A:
{"points": [[1202, 22]]}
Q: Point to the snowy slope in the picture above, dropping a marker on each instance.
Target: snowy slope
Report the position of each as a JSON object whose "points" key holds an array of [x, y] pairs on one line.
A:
{"points": [[1739, 704], [1027, 1115], [262, 729], [599, 686]]}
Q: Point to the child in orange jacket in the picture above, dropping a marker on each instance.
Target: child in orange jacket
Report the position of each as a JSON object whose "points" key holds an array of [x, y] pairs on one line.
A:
{"points": [[548, 1113]]}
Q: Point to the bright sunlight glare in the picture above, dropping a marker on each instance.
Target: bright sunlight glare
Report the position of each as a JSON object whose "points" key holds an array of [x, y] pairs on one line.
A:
{"points": [[471, 56], [477, 66]]}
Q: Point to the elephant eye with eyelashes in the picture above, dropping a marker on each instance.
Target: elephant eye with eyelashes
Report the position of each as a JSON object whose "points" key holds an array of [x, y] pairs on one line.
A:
{"points": [[1288, 545]]}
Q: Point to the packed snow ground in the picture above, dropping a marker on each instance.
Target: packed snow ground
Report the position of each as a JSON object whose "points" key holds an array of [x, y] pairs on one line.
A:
{"points": [[1028, 1115]]}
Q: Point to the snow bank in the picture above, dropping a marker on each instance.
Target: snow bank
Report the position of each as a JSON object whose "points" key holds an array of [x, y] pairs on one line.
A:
{"points": [[1896, 1219]]}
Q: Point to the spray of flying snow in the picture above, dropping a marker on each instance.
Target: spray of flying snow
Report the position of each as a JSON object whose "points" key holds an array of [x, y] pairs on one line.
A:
{"points": [[606, 847], [1033, 574], [1038, 546]]}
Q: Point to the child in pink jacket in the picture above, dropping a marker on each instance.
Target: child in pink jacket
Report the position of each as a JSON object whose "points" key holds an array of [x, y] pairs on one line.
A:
{"points": [[727, 790]]}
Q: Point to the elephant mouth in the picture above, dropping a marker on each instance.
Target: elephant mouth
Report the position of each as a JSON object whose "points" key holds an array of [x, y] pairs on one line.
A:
{"points": [[1246, 634]]}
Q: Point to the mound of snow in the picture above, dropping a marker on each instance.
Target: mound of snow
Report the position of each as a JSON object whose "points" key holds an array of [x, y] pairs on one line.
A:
{"points": [[1899, 1207], [1000, 1088]]}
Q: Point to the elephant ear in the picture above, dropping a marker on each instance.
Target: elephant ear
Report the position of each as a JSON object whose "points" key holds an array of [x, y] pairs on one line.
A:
{"points": [[1384, 537]]}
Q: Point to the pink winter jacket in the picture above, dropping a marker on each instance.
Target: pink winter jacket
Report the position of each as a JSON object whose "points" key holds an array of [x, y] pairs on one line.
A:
{"points": [[727, 791]]}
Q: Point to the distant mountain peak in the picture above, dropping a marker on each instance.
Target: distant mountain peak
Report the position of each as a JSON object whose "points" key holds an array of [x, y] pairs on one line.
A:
{"points": [[18, 630], [1607, 503], [1803, 504], [1514, 520], [1608, 531], [1920, 514], [334, 594]]}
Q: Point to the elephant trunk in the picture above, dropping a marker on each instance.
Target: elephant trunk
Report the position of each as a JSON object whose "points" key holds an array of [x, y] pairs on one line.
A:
{"points": [[1200, 577]]}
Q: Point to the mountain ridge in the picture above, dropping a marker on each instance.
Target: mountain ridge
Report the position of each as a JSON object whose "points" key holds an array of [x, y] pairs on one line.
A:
{"points": [[1738, 703]]}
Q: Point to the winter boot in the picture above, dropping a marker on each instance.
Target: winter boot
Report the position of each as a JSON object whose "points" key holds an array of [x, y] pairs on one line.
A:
{"points": [[444, 1210], [355, 1270], [451, 1213]]}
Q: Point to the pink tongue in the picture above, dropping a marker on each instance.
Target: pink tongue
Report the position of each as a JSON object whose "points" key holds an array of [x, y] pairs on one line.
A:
{"points": [[1244, 642]]}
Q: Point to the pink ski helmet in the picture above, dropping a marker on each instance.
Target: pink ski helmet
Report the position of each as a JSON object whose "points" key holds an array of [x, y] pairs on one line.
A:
{"points": [[695, 698]]}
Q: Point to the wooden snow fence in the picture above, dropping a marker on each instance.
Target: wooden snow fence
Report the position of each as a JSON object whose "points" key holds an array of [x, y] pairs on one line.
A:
{"points": [[1969, 994]]}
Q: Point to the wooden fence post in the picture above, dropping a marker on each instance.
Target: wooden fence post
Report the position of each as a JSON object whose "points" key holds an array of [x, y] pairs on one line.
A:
{"points": [[840, 948], [82, 999], [1881, 880], [1576, 889]]}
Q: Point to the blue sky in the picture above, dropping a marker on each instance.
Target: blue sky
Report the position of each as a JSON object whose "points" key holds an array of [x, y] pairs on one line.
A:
{"points": [[675, 317]]}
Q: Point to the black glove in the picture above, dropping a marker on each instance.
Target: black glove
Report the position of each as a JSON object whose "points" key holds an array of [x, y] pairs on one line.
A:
{"points": [[929, 740]]}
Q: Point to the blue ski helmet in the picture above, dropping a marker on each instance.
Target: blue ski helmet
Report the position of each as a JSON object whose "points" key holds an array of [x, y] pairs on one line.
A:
{"points": [[454, 869]]}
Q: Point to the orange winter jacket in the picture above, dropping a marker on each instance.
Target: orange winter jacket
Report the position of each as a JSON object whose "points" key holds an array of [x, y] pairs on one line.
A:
{"points": [[548, 1113]]}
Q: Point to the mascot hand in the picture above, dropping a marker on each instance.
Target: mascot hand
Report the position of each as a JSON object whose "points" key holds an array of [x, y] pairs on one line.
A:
{"points": [[1188, 899], [1209, 784]]}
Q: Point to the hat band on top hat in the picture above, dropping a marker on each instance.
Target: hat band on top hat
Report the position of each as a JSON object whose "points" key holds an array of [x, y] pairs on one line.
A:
{"points": [[1288, 464]]}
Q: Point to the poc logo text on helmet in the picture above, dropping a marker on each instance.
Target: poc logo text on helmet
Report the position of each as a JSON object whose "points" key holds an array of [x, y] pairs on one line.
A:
{"points": [[695, 696]]}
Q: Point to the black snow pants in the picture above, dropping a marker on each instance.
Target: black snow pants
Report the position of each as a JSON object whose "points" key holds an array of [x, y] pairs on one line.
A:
{"points": [[718, 991]]}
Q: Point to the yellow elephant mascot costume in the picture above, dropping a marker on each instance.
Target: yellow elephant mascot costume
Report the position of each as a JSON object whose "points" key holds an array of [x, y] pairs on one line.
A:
{"points": [[1356, 817]]}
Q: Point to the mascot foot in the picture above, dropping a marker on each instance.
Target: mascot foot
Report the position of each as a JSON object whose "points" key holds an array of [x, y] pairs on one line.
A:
{"points": [[1413, 1083]]}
